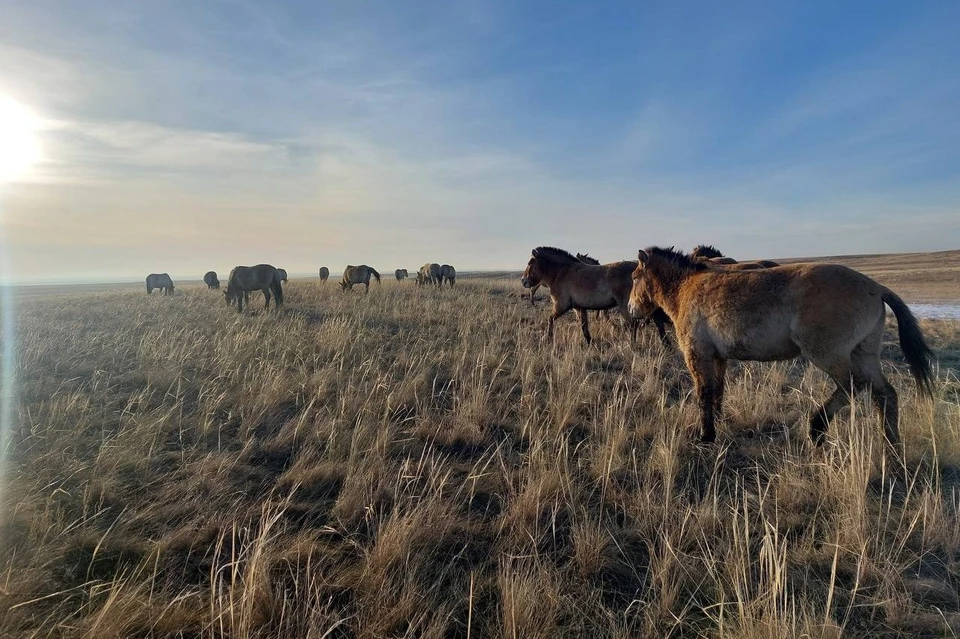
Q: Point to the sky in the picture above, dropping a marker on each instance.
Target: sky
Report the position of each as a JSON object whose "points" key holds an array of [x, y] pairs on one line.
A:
{"points": [[184, 136]]}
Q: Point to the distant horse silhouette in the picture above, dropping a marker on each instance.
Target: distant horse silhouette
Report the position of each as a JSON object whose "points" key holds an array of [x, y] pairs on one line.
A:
{"points": [[830, 314], [400, 274], [210, 279], [283, 275], [161, 281], [358, 275], [243, 279], [575, 285], [448, 274], [324, 273]]}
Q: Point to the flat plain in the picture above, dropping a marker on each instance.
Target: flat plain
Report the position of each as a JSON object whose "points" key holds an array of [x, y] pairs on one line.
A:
{"points": [[418, 462]]}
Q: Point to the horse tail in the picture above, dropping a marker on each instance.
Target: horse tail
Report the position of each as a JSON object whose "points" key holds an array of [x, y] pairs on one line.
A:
{"points": [[912, 343], [277, 290], [375, 274]]}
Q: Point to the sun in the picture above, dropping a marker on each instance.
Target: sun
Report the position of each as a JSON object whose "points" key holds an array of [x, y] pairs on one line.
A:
{"points": [[19, 143]]}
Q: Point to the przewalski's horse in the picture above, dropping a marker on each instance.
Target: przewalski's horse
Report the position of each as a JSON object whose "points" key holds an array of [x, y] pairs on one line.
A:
{"points": [[210, 279], [324, 273], [243, 279], [448, 274], [430, 273], [161, 281], [575, 285], [710, 254], [400, 274], [358, 275], [830, 314]]}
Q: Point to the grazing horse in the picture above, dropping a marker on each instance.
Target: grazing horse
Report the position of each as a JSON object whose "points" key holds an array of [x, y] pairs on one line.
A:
{"points": [[430, 273], [448, 274], [400, 274], [324, 273], [575, 285], [283, 275], [358, 275], [244, 279], [830, 314], [210, 279], [159, 280]]}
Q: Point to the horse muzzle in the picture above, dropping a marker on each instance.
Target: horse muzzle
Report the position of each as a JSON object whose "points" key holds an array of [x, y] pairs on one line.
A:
{"points": [[525, 281]]}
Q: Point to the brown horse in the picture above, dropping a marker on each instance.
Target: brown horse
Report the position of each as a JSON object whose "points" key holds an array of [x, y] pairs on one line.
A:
{"points": [[161, 281], [575, 285], [400, 274], [448, 274], [710, 254], [243, 279], [324, 273], [829, 314], [210, 279], [358, 275]]}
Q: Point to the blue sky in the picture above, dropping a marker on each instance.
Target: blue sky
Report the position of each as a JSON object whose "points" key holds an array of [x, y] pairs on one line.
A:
{"points": [[184, 136]]}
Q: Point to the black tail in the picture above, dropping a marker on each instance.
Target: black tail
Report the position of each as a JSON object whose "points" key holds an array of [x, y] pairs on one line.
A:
{"points": [[914, 346], [375, 274], [277, 289]]}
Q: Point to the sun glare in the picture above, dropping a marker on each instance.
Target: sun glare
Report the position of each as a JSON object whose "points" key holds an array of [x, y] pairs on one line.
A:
{"points": [[19, 144]]}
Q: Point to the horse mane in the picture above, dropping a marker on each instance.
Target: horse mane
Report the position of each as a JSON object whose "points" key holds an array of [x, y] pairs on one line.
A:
{"points": [[554, 254], [586, 259], [676, 258], [706, 251]]}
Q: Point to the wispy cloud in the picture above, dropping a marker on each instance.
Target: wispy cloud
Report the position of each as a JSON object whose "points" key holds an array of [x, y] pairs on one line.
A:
{"points": [[200, 132]]}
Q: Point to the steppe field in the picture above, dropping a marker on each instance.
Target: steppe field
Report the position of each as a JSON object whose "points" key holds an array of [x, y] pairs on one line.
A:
{"points": [[419, 463]]}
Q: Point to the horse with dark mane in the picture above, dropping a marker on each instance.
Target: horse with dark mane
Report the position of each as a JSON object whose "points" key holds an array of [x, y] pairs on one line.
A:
{"points": [[575, 285], [829, 314], [243, 279], [161, 281], [400, 274], [430, 273], [448, 274], [324, 273], [358, 275], [710, 254], [210, 279]]}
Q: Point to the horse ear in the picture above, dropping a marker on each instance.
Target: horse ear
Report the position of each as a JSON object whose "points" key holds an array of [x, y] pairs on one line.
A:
{"points": [[534, 252], [643, 257]]}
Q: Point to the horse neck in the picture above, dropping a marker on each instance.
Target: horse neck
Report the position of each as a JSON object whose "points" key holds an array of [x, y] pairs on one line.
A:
{"points": [[555, 272], [666, 288]]}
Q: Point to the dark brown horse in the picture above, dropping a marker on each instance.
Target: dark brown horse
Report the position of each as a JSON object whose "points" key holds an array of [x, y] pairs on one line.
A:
{"points": [[709, 253], [324, 273], [829, 314], [161, 281], [243, 279], [210, 279], [358, 275], [575, 285]]}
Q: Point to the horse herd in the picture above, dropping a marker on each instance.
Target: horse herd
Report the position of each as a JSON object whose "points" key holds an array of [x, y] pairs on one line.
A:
{"points": [[266, 278], [720, 310]]}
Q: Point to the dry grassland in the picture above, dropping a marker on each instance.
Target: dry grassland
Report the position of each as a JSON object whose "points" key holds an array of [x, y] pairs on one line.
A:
{"points": [[417, 463]]}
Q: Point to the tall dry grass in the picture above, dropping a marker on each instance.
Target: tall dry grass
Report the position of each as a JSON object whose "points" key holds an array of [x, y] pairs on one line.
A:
{"points": [[418, 463]]}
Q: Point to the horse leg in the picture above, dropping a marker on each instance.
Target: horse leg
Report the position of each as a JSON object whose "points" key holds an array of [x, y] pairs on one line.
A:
{"points": [[703, 368], [868, 374], [584, 325], [266, 296], [660, 321], [533, 292], [721, 387], [558, 310], [632, 322]]}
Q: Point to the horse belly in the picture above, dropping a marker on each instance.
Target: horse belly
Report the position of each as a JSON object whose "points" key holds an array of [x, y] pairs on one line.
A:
{"points": [[764, 342]]}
